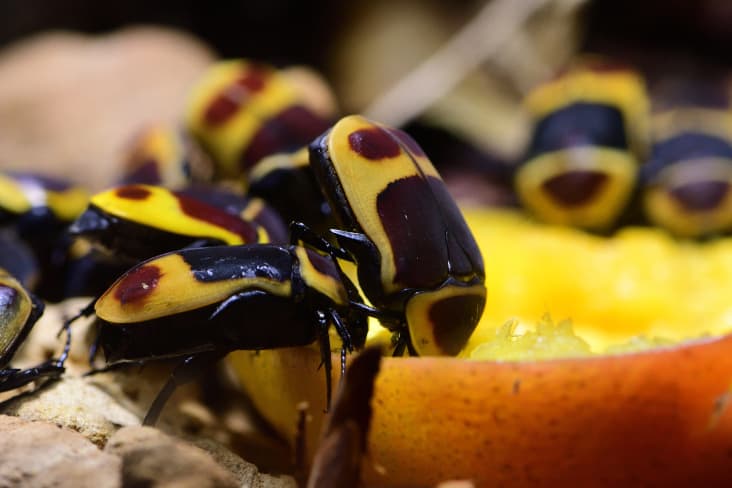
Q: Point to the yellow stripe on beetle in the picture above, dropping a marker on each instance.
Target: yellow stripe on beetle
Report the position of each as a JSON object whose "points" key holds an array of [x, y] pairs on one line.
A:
{"points": [[12, 196], [364, 179], [166, 285], [68, 204], [159, 208], [325, 284]]}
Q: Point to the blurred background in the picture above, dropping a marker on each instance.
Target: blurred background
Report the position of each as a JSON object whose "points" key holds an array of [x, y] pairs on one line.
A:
{"points": [[77, 77]]}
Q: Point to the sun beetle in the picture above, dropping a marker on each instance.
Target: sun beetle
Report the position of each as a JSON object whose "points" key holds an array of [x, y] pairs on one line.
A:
{"points": [[417, 260], [242, 111], [37, 210], [136, 222], [687, 182], [199, 304], [19, 311], [38, 205], [589, 137], [162, 154]]}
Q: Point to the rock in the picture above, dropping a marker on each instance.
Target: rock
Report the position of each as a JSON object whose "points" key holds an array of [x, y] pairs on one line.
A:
{"points": [[245, 472], [74, 403], [40, 454], [151, 458]]}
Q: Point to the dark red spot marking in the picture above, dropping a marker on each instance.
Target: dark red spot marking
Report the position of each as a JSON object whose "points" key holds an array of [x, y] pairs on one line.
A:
{"points": [[427, 233], [220, 218], [234, 96], [133, 192], [374, 143], [575, 188], [408, 142], [454, 319], [146, 172], [701, 196], [253, 80], [137, 284], [291, 129]]}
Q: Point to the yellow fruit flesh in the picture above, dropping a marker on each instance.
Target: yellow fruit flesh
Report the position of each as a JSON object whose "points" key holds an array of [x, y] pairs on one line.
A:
{"points": [[635, 290]]}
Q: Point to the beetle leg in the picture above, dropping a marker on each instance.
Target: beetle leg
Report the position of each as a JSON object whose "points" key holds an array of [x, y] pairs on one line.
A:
{"points": [[402, 340], [300, 232], [324, 339], [342, 330], [84, 312], [382, 315], [67, 347], [123, 363], [399, 346], [184, 372], [94, 345], [12, 378], [234, 298], [346, 342]]}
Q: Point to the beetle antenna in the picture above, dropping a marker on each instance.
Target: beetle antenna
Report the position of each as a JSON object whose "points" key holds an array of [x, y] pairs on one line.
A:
{"points": [[84, 312], [183, 373]]}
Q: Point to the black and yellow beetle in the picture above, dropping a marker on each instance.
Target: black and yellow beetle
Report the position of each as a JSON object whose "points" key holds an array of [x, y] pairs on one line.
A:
{"points": [[37, 210], [286, 181], [242, 111], [136, 222], [19, 311], [38, 205], [687, 183], [162, 154], [197, 305], [417, 260], [590, 135]]}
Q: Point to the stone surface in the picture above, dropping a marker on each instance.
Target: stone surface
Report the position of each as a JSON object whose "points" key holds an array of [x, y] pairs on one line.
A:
{"points": [[246, 473], [40, 454], [74, 403], [151, 458]]}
